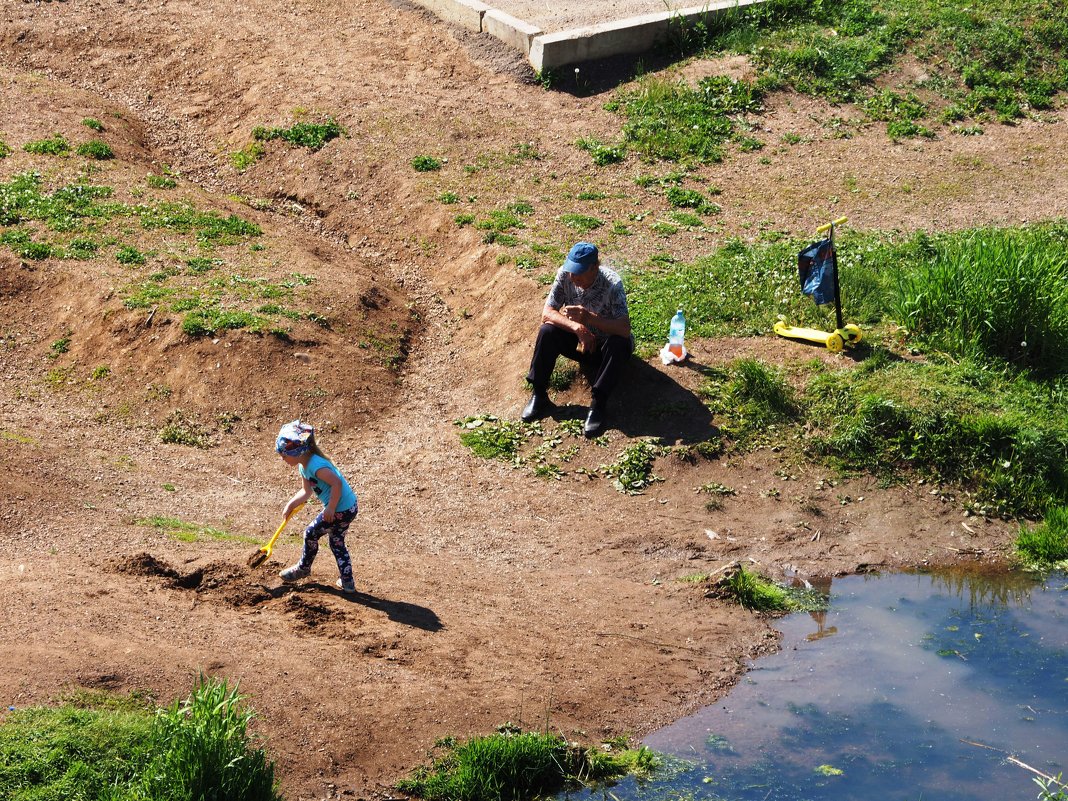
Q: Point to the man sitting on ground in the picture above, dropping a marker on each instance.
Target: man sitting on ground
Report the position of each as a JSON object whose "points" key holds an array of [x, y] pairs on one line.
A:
{"points": [[585, 318]]}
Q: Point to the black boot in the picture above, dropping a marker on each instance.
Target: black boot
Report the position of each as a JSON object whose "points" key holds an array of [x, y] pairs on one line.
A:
{"points": [[596, 418], [538, 407]]}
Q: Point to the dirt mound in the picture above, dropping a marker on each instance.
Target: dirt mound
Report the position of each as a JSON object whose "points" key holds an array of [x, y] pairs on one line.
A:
{"points": [[143, 564]]}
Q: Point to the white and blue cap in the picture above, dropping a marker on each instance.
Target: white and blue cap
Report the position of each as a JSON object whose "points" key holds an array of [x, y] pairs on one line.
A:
{"points": [[294, 438], [580, 258]]}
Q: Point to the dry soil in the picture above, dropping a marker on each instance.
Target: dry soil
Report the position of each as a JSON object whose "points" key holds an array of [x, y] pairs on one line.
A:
{"points": [[487, 594]]}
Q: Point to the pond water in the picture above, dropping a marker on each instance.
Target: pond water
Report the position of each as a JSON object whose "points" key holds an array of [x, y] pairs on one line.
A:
{"points": [[884, 687]]}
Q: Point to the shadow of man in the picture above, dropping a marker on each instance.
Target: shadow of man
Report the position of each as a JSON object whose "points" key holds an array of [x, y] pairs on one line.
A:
{"points": [[650, 403]]}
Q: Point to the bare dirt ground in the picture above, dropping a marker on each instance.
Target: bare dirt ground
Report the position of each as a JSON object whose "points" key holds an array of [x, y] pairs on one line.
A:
{"points": [[486, 594]]}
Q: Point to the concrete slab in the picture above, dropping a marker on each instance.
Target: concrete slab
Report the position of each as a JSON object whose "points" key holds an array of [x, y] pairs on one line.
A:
{"points": [[632, 35], [557, 33], [465, 13], [510, 30]]}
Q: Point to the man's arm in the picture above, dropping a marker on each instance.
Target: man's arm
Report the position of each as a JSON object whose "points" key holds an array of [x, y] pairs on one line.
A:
{"points": [[618, 326], [558, 317]]}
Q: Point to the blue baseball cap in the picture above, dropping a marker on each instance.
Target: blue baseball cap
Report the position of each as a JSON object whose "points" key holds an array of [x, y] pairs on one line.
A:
{"points": [[580, 258]]}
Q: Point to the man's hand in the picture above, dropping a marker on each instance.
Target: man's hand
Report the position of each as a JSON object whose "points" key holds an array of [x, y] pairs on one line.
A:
{"points": [[587, 341], [576, 313]]}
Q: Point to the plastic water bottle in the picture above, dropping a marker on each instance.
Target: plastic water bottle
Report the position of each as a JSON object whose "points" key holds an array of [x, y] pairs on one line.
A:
{"points": [[677, 334]]}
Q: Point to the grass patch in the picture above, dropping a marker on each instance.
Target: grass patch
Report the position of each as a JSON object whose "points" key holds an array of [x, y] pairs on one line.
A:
{"points": [[180, 429], [983, 61], [602, 153], [312, 135], [1000, 435], [161, 181], [583, 223], [5, 149], [492, 438], [93, 124], [515, 766], [95, 149], [673, 121], [247, 156], [53, 146], [110, 747], [184, 531], [754, 400], [130, 255], [423, 163], [987, 307], [1046, 544], [680, 198], [752, 591]]}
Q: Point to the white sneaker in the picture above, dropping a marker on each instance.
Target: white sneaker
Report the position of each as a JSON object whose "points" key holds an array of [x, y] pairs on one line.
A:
{"points": [[345, 586], [294, 573]]}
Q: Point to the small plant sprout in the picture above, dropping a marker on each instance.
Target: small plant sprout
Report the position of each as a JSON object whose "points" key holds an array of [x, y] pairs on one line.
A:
{"points": [[423, 163]]}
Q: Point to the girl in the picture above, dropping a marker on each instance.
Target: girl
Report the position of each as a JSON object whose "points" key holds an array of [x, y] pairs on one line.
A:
{"points": [[296, 444]]}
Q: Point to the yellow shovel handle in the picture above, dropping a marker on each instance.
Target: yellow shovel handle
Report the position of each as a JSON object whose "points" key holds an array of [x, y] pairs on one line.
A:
{"points": [[270, 543]]}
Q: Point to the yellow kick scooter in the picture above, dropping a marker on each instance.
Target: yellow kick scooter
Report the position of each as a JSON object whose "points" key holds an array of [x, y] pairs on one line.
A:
{"points": [[842, 336]]}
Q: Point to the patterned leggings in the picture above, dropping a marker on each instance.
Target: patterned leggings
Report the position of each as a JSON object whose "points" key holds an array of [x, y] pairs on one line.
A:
{"points": [[336, 532]]}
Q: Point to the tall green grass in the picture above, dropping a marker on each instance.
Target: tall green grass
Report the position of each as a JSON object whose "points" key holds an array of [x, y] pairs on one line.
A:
{"points": [[988, 407], [68, 753], [206, 751], [992, 293], [1001, 436], [517, 766], [1047, 543], [198, 748]]}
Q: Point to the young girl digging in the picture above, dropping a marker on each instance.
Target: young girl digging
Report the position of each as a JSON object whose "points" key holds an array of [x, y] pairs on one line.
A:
{"points": [[296, 444]]}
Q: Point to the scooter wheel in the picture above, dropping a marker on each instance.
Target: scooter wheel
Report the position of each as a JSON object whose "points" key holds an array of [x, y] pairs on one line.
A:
{"points": [[835, 343], [852, 333]]}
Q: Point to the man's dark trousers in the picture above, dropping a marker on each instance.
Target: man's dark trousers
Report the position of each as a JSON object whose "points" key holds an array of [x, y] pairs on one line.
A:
{"points": [[603, 367]]}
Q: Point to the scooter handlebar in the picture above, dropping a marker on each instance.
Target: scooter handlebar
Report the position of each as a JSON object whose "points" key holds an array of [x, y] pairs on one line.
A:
{"points": [[828, 226]]}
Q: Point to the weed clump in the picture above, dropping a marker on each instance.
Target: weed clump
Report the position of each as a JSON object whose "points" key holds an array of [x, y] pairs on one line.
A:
{"points": [[54, 146], [632, 472], [312, 135], [515, 766], [1047, 543], [161, 182], [424, 163], [179, 429], [602, 154], [492, 438], [752, 591], [95, 149]]}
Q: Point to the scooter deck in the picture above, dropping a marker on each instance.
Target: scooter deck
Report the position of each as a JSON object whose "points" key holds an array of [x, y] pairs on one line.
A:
{"points": [[809, 334]]}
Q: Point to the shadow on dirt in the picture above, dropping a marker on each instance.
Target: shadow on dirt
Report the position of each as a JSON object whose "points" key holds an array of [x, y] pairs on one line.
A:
{"points": [[418, 617], [648, 403], [235, 587]]}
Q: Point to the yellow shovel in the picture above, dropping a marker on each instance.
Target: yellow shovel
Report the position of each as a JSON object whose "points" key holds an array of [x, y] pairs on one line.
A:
{"points": [[258, 557]]}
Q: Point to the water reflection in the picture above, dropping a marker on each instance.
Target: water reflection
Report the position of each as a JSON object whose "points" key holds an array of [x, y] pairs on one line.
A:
{"points": [[823, 587], [918, 663]]}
